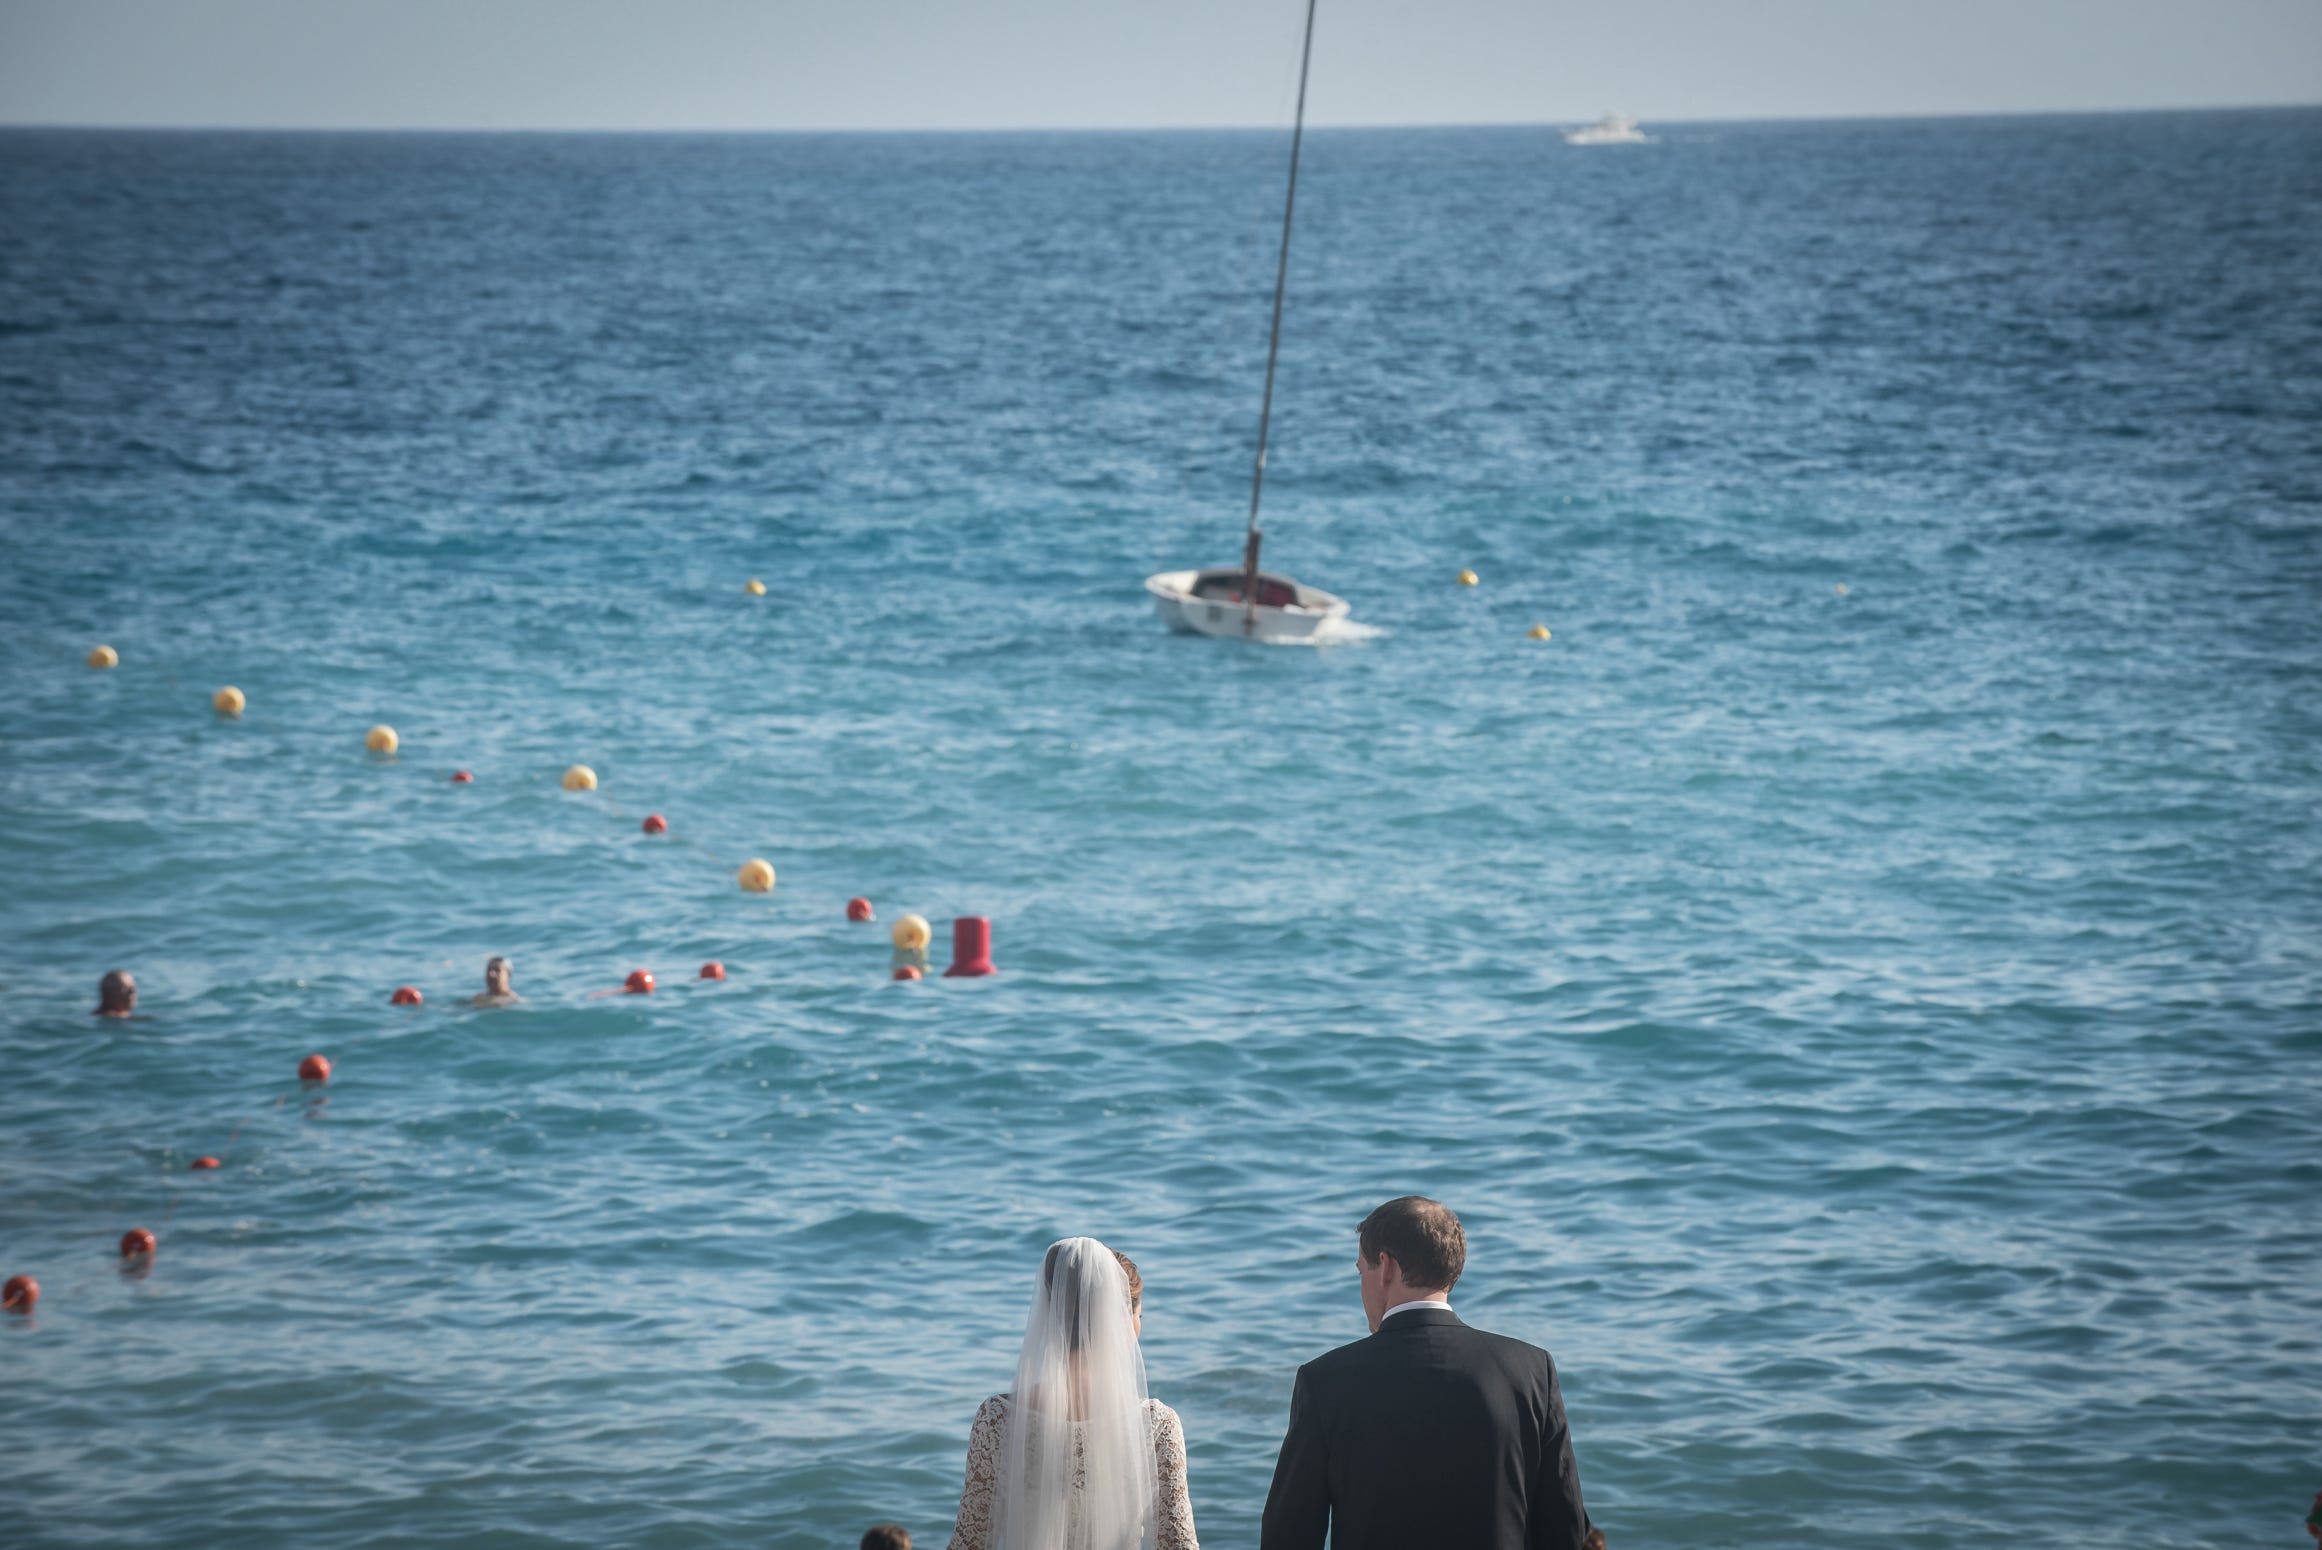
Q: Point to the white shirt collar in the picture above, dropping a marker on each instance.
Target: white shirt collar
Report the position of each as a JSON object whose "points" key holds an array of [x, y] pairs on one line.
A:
{"points": [[1406, 1307]]}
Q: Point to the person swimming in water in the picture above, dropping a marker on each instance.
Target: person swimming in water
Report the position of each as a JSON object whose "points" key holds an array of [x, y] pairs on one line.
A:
{"points": [[496, 988], [117, 994]]}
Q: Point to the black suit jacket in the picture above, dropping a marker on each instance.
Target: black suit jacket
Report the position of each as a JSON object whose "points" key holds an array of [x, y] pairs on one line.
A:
{"points": [[1427, 1436]]}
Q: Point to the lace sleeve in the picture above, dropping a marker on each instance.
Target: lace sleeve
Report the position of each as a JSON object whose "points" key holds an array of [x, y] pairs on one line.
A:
{"points": [[1174, 1531], [973, 1528]]}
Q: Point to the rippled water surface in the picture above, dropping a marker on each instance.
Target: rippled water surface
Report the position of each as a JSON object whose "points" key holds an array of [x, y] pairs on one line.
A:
{"points": [[1861, 980]]}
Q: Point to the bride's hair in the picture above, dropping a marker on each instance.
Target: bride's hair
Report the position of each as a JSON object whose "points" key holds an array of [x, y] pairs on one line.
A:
{"points": [[1078, 1469], [1136, 1281], [1075, 1324]]}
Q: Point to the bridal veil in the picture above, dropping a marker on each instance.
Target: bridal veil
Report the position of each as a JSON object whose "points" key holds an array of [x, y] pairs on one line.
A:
{"points": [[1078, 1470]]}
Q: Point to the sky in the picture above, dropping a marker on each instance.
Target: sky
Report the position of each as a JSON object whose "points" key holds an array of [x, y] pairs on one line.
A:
{"points": [[1005, 64]]}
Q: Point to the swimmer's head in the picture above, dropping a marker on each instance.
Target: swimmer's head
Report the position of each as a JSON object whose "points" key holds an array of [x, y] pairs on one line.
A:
{"points": [[117, 994], [496, 975]]}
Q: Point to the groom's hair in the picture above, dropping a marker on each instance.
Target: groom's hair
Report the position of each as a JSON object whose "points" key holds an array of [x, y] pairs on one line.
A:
{"points": [[1423, 1235]]}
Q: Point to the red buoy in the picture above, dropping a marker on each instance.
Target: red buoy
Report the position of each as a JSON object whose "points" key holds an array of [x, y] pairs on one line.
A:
{"points": [[713, 970], [136, 1243], [315, 1068], [859, 909], [19, 1294], [656, 824], [405, 995], [201, 1163], [971, 947], [907, 972], [461, 777], [639, 982]]}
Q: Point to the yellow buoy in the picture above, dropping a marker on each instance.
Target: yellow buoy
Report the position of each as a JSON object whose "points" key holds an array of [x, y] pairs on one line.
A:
{"points": [[228, 701], [1539, 632], [580, 778], [756, 876], [754, 587], [912, 934], [104, 656], [382, 739], [1467, 578], [1842, 589]]}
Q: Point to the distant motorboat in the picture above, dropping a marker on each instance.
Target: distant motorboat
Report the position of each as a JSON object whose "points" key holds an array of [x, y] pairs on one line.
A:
{"points": [[1211, 602], [1612, 129]]}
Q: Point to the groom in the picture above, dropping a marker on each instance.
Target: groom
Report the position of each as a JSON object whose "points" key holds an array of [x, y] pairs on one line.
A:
{"points": [[1429, 1433]]}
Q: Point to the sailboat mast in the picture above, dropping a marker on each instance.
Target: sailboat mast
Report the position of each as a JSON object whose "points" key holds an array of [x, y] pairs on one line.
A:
{"points": [[1257, 534]]}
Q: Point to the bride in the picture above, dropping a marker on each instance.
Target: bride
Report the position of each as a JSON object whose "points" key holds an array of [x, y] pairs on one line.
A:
{"points": [[1076, 1457]]}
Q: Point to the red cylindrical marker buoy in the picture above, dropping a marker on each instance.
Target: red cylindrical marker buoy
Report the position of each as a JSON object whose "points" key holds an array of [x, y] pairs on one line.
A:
{"points": [[971, 947], [639, 982], [201, 1164], [136, 1243], [713, 970], [19, 1294], [315, 1068], [656, 824], [462, 778], [858, 909], [907, 972], [405, 995]]}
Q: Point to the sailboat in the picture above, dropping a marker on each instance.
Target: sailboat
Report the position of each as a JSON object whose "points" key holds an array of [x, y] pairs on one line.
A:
{"points": [[1243, 600]]}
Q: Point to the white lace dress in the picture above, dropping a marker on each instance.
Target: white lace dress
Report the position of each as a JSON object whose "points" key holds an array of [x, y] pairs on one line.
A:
{"points": [[988, 1436]]}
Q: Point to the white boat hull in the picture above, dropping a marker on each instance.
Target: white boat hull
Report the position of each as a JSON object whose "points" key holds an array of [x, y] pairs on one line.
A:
{"points": [[1192, 602]]}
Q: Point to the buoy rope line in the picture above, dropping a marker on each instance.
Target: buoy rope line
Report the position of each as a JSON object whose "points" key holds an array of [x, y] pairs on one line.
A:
{"points": [[139, 1247], [911, 935], [682, 838], [217, 1159], [141, 1264]]}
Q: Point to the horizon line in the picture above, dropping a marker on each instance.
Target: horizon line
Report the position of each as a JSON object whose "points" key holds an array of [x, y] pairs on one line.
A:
{"points": [[69, 126]]}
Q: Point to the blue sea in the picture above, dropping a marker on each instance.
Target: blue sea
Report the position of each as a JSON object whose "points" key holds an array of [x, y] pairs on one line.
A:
{"points": [[1860, 979]]}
